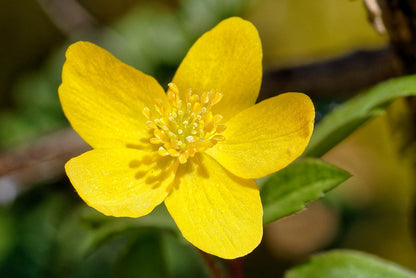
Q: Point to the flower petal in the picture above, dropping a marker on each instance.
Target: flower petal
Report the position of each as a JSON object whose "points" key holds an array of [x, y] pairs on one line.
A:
{"points": [[267, 136], [216, 211], [229, 59], [121, 182], [103, 98]]}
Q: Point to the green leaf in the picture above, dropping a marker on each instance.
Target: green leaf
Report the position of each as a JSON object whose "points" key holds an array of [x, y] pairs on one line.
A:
{"points": [[144, 257], [188, 264], [288, 190], [106, 228], [345, 263], [346, 118]]}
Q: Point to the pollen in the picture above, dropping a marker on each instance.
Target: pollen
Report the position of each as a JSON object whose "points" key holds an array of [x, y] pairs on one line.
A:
{"points": [[185, 125]]}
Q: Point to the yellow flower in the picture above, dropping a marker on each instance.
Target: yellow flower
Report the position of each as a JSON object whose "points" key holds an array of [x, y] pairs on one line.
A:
{"points": [[197, 148]]}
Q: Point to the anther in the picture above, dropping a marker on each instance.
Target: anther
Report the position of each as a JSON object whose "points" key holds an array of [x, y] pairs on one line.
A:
{"points": [[188, 94], [147, 113], [183, 158], [174, 88], [218, 137], [151, 124], [197, 108], [209, 126], [172, 97], [217, 118], [205, 97], [155, 140], [174, 144], [194, 98], [163, 152], [157, 133], [217, 97], [220, 128], [159, 105], [191, 151], [173, 152]]}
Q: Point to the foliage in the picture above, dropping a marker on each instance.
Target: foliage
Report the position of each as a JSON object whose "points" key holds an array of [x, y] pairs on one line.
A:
{"points": [[345, 119], [345, 263], [288, 190]]}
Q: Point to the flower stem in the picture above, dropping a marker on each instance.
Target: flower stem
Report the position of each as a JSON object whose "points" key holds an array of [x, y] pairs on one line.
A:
{"points": [[235, 268], [212, 265]]}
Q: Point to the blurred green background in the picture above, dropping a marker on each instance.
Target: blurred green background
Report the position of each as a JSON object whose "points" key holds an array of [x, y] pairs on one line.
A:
{"points": [[47, 231]]}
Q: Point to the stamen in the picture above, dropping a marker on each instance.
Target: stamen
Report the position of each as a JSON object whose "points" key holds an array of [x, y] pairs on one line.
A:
{"points": [[174, 88], [217, 118], [159, 106], [191, 152], [158, 133], [183, 158], [205, 97], [151, 124], [173, 152], [220, 128], [155, 140], [163, 152], [217, 97], [147, 113], [218, 137], [185, 126]]}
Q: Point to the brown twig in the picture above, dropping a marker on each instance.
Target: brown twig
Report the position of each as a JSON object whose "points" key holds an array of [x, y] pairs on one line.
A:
{"points": [[73, 20], [343, 76], [236, 268], [374, 15], [399, 19], [40, 161], [69, 16]]}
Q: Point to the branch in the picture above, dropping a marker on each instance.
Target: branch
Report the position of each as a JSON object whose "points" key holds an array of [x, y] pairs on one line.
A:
{"points": [[399, 19], [69, 16], [343, 76], [40, 161]]}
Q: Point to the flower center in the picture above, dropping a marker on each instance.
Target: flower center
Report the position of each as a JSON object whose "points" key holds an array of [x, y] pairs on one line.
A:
{"points": [[185, 126]]}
